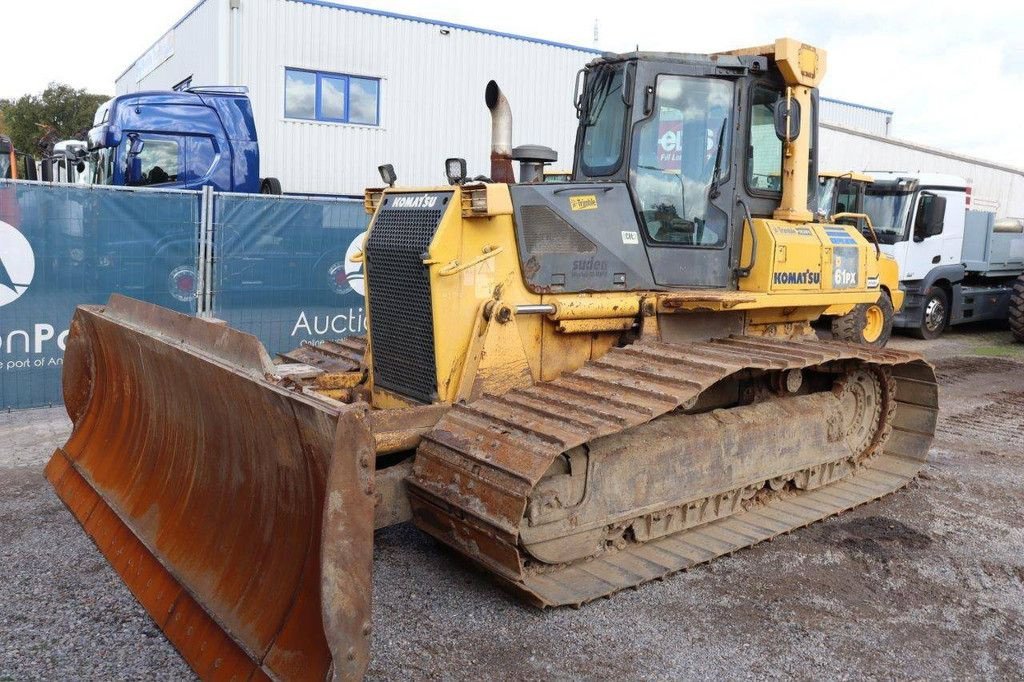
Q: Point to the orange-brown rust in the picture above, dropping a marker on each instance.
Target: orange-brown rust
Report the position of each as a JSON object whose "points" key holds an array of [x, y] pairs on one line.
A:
{"points": [[202, 479]]}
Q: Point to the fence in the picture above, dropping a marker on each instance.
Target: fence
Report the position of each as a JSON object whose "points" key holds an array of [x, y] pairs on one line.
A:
{"points": [[272, 266]]}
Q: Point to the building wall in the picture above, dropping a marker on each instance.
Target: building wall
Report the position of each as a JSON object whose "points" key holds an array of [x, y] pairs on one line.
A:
{"points": [[994, 187], [856, 117], [431, 94], [432, 82], [190, 48], [432, 79]]}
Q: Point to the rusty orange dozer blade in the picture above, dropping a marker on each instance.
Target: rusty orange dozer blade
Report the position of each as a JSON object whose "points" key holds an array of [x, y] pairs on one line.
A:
{"points": [[202, 480]]}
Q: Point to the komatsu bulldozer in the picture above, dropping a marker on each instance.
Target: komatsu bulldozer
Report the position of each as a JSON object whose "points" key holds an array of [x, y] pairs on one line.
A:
{"points": [[841, 200], [580, 386]]}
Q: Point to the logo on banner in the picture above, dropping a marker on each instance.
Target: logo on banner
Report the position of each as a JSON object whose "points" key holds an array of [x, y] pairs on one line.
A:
{"points": [[348, 275], [670, 144], [17, 264]]}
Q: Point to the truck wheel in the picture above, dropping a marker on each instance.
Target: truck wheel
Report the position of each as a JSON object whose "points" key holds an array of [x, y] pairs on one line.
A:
{"points": [[868, 323], [1017, 310], [934, 315], [270, 186]]}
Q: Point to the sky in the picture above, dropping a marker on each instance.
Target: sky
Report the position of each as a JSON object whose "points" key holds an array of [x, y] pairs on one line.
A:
{"points": [[952, 71]]}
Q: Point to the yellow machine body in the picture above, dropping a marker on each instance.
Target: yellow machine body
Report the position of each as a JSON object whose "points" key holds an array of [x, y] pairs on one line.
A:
{"points": [[534, 390], [477, 286]]}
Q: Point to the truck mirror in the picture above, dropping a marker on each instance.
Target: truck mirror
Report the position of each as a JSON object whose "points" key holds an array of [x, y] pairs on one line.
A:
{"points": [[30, 168], [787, 113], [930, 217], [46, 170], [136, 145]]}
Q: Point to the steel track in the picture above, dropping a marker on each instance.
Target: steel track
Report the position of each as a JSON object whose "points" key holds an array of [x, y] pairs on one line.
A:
{"points": [[474, 472]]}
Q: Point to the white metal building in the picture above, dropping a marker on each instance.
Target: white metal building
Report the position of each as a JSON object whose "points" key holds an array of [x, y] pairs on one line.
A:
{"points": [[994, 187], [337, 90]]}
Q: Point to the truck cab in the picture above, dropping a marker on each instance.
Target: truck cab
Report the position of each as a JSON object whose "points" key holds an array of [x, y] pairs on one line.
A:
{"points": [[180, 140], [923, 220], [15, 165], [69, 162]]}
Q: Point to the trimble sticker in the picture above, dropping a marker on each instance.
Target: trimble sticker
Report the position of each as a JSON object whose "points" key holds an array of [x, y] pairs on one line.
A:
{"points": [[585, 202]]}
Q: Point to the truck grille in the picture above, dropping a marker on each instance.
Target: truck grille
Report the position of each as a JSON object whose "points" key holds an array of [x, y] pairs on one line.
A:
{"points": [[401, 317]]}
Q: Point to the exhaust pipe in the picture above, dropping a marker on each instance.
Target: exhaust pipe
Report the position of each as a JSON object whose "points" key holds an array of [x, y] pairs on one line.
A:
{"points": [[501, 134]]}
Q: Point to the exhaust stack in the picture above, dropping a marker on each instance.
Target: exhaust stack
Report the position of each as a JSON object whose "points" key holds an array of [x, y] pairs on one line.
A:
{"points": [[501, 134]]}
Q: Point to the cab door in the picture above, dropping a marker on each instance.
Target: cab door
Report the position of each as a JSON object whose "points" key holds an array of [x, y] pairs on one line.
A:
{"points": [[680, 168], [934, 239]]}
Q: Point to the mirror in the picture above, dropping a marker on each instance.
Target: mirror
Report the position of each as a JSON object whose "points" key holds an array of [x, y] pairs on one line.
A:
{"points": [[46, 171], [930, 216], [136, 145], [787, 111]]}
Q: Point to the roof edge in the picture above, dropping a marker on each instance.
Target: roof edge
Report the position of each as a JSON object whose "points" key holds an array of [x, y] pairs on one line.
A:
{"points": [[176, 24], [444, 24], [858, 106], [926, 149]]}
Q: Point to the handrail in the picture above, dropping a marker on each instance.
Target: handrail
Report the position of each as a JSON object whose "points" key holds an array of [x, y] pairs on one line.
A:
{"points": [[454, 267], [867, 219], [745, 271]]}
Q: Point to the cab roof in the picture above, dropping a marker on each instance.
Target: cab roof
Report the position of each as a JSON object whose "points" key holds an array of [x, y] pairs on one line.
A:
{"points": [[856, 176]]}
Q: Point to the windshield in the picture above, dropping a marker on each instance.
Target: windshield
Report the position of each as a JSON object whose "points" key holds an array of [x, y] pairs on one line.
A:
{"points": [[5, 165], [888, 210], [603, 120], [680, 156], [103, 173], [826, 197]]}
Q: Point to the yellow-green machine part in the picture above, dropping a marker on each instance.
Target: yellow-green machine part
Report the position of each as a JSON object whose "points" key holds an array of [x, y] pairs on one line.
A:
{"points": [[581, 386]]}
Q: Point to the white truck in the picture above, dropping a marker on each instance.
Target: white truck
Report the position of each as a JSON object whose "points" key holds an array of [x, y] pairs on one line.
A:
{"points": [[957, 265]]}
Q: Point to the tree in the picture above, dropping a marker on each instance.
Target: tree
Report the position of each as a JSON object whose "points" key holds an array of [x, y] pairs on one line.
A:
{"points": [[61, 112]]}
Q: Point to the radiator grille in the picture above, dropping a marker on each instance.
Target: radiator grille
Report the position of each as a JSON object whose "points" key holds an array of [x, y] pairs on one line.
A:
{"points": [[401, 318], [544, 231]]}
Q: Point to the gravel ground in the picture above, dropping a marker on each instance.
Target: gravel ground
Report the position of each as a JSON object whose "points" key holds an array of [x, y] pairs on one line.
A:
{"points": [[928, 583]]}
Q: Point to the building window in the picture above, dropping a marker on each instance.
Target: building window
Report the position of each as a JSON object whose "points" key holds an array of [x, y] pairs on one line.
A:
{"points": [[183, 85], [335, 97]]}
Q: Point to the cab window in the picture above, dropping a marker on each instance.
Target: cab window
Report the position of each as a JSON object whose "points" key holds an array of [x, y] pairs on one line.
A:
{"points": [[764, 153], [603, 121], [161, 160]]}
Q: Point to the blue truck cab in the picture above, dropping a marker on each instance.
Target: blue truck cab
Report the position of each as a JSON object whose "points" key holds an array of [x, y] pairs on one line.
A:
{"points": [[179, 140]]}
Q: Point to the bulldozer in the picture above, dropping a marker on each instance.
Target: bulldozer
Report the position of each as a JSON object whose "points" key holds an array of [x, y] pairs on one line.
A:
{"points": [[841, 200], [579, 386]]}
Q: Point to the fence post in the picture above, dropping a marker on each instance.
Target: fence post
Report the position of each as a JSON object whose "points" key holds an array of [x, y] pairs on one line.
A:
{"points": [[204, 295]]}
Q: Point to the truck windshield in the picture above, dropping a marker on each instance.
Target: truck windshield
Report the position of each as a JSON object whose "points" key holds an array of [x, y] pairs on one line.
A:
{"points": [[5, 165], [888, 210]]}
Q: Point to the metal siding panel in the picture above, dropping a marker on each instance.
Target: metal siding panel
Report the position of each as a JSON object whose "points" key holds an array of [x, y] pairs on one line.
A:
{"points": [[431, 95], [993, 189], [856, 117], [196, 43]]}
